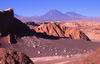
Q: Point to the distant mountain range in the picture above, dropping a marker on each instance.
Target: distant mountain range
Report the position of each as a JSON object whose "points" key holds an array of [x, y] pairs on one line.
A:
{"points": [[53, 15]]}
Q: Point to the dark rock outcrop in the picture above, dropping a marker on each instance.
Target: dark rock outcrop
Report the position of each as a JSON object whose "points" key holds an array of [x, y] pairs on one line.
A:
{"points": [[9, 25], [31, 23], [9, 56]]}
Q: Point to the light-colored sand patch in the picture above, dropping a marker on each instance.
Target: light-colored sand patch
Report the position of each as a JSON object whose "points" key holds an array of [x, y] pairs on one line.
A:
{"points": [[50, 58], [62, 62], [58, 59]]}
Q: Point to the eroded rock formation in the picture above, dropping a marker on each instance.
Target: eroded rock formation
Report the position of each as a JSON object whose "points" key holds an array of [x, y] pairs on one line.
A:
{"points": [[9, 25], [55, 29], [50, 29], [76, 34], [9, 56]]}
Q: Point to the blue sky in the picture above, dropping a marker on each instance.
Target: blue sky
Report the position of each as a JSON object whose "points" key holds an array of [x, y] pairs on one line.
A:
{"points": [[39, 7]]}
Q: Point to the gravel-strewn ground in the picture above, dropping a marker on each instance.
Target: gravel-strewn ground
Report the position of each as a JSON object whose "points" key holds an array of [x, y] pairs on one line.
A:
{"points": [[50, 49]]}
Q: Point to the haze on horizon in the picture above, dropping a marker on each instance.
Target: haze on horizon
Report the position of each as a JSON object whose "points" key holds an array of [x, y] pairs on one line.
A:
{"points": [[40, 7]]}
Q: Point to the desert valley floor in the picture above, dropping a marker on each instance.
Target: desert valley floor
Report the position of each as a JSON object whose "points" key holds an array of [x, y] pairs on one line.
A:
{"points": [[66, 42]]}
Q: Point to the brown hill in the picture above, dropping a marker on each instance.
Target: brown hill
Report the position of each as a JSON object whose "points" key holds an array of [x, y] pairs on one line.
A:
{"points": [[51, 29], [76, 34], [9, 56], [55, 29]]}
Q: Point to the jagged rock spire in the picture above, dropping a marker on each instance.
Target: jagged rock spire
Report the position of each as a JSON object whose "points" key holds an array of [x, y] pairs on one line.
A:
{"points": [[9, 12]]}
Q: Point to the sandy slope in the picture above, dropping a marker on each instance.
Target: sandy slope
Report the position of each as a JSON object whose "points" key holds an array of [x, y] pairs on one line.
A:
{"points": [[59, 59]]}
